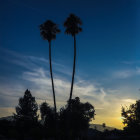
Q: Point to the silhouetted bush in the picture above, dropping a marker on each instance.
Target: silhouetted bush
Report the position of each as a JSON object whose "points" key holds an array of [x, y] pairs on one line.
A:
{"points": [[131, 118]]}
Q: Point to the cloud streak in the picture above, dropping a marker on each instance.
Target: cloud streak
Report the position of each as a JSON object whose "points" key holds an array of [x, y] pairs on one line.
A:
{"points": [[127, 73], [36, 77]]}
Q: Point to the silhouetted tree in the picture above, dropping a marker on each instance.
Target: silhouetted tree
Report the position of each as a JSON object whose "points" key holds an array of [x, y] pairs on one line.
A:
{"points": [[27, 108], [72, 25], [48, 31], [47, 115], [48, 119], [26, 113], [45, 110], [131, 117], [80, 114], [104, 125]]}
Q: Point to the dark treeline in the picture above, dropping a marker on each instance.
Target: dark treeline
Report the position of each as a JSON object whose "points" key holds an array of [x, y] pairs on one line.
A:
{"points": [[26, 123], [70, 123]]}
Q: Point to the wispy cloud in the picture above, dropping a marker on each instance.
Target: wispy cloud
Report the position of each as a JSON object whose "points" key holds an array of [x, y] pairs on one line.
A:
{"points": [[130, 62], [36, 77], [127, 73], [129, 100], [32, 62]]}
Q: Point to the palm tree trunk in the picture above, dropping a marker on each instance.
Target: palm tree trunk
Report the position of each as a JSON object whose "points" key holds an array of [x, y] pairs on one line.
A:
{"points": [[52, 78], [52, 89], [74, 61], [71, 90]]}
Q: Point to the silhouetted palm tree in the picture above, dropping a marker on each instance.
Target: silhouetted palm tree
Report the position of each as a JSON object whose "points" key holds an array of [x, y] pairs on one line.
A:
{"points": [[72, 25], [48, 31]]}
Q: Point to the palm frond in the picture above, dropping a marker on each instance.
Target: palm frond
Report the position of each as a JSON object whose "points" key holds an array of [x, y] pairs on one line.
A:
{"points": [[72, 25], [48, 30]]}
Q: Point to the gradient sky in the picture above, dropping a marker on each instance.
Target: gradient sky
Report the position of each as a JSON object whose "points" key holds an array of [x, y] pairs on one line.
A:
{"points": [[108, 54]]}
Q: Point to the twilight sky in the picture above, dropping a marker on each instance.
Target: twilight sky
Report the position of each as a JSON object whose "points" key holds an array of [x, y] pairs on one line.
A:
{"points": [[108, 54]]}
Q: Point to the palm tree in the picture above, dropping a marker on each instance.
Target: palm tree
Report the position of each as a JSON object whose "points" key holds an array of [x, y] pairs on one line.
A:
{"points": [[48, 31], [72, 25]]}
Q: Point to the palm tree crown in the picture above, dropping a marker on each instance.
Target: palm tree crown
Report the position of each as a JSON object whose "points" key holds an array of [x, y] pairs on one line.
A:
{"points": [[72, 25], [48, 30]]}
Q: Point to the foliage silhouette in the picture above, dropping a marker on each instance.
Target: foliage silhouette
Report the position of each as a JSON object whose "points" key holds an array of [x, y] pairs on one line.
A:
{"points": [[131, 117], [48, 31], [48, 119], [25, 125], [80, 114], [72, 25], [104, 125], [26, 113], [27, 108]]}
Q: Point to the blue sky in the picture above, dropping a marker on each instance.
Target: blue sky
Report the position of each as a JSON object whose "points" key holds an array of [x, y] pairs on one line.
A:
{"points": [[108, 53]]}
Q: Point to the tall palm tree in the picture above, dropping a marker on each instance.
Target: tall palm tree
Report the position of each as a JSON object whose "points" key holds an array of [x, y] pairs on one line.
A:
{"points": [[48, 31], [72, 25]]}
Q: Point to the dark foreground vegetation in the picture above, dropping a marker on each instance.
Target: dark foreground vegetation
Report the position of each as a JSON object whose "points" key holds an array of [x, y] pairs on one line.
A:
{"points": [[70, 123]]}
